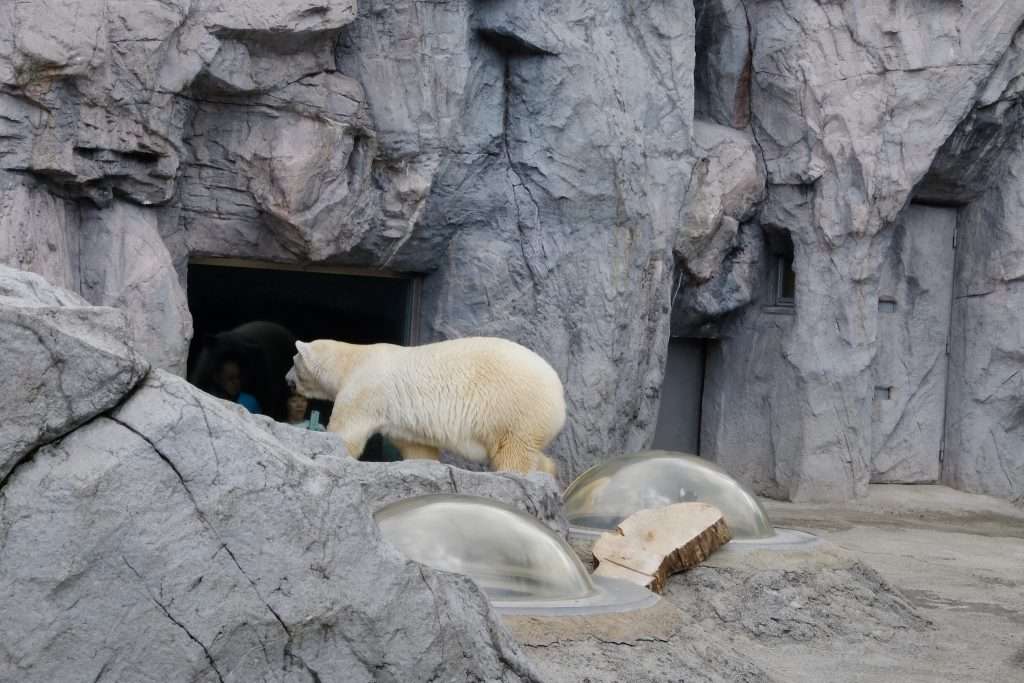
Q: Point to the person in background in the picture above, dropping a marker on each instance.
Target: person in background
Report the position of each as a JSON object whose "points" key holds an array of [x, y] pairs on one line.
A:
{"points": [[297, 406], [263, 351], [229, 380]]}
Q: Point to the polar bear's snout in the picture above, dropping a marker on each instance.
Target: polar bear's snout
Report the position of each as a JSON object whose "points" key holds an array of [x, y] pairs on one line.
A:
{"points": [[291, 380]]}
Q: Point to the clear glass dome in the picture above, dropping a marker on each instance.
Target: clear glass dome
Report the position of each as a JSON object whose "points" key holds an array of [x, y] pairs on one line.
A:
{"points": [[511, 555], [606, 494]]}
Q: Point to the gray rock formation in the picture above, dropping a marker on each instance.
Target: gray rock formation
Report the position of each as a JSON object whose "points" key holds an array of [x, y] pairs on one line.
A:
{"points": [[852, 107], [723, 65], [123, 263], [726, 186], [64, 363], [539, 167], [173, 536], [532, 165], [569, 251], [986, 390]]}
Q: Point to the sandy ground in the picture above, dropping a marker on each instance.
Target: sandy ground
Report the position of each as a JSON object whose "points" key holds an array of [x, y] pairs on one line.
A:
{"points": [[957, 558], [913, 583]]}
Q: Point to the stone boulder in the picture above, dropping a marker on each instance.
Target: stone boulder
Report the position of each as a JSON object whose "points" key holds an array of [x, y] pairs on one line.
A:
{"points": [[124, 263], [153, 532], [64, 363], [179, 538], [699, 310], [725, 188], [116, 76]]}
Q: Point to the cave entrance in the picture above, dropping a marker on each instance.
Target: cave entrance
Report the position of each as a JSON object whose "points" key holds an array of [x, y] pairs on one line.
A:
{"points": [[313, 302], [682, 392]]}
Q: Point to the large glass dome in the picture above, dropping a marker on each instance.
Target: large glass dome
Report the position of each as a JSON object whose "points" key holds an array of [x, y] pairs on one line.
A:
{"points": [[521, 565], [606, 494]]}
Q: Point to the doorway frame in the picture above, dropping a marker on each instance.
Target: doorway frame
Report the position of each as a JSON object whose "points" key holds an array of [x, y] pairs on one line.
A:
{"points": [[705, 343], [413, 306]]}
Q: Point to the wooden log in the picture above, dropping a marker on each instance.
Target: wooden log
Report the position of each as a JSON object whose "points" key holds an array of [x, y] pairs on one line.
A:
{"points": [[651, 545]]}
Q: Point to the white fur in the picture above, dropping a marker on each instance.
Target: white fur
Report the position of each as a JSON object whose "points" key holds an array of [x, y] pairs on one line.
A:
{"points": [[482, 397]]}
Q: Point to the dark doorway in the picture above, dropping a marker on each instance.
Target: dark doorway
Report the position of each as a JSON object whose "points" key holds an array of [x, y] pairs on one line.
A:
{"points": [[682, 390], [313, 303]]}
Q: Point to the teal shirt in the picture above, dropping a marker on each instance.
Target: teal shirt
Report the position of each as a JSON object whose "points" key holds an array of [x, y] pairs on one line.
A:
{"points": [[249, 401]]}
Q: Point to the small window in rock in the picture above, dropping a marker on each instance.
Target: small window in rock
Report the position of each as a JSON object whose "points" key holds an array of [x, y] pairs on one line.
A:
{"points": [[785, 281], [886, 304], [883, 393]]}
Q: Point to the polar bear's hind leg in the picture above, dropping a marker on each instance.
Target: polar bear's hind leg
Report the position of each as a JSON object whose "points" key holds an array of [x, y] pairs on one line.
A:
{"points": [[512, 455], [416, 451]]}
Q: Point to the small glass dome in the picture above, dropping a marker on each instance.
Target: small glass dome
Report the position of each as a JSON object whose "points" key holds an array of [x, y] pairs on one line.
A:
{"points": [[511, 555], [520, 564], [606, 494]]}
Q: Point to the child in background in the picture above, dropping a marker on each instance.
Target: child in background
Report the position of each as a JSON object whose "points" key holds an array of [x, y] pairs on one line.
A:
{"points": [[229, 379], [297, 406]]}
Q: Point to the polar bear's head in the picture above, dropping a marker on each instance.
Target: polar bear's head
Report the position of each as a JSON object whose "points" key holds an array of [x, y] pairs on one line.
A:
{"points": [[311, 374]]}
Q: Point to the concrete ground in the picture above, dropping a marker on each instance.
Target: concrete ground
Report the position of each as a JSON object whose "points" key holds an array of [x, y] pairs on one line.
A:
{"points": [[913, 584], [958, 558]]}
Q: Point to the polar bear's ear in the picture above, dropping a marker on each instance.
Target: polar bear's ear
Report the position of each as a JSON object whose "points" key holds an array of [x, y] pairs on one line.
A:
{"points": [[304, 350]]}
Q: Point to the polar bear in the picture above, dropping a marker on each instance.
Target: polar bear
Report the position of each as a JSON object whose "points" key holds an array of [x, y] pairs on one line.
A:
{"points": [[487, 399]]}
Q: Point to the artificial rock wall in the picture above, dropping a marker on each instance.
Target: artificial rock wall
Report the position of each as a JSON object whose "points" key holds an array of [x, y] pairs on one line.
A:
{"points": [[856, 109], [585, 177], [153, 532]]}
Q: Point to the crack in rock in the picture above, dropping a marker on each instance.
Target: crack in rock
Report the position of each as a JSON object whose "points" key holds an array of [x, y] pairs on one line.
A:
{"points": [[167, 613], [206, 522]]}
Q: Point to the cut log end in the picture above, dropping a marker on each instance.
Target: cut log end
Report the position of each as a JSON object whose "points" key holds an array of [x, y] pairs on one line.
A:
{"points": [[651, 545]]}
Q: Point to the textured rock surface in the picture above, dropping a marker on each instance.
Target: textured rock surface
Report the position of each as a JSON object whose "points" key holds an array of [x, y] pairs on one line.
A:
{"points": [[513, 150], [954, 557], [180, 539], [64, 362], [123, 263], [985, 417], [658, 645], [742, 617], [172, 535], [723, 68], [725, 188], [910, 368], [824, 595], [539, 164], [850, 107], [383, 483], [586, 186]]}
